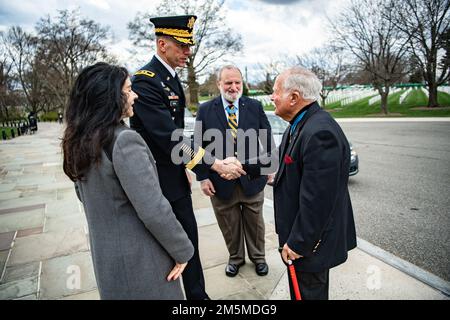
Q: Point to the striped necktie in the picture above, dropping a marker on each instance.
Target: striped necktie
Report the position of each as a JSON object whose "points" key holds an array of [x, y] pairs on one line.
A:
{"points": [[232, 121]]}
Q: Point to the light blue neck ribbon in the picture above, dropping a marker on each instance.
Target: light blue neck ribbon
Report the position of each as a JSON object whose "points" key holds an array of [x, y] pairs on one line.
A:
{"points": [[296, 121], [231, 111]]}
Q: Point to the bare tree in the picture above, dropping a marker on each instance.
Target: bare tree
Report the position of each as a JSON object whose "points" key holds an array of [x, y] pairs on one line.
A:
{"points": [[213, 39], [39, 93], [366, 29], [209, 87], [445, 60], [68, 43], [5, 79], [21, 47], [426, 24], [327, 63], [271, 70]]}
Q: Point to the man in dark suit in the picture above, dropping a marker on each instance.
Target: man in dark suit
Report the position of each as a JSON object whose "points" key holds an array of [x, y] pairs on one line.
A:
{"points": [[159, 113], [313, 212], [238, 203]]}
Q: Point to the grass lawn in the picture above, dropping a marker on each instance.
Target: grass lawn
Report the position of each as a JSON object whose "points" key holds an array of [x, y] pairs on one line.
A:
{"points": [[268, 107], [412, 106]]}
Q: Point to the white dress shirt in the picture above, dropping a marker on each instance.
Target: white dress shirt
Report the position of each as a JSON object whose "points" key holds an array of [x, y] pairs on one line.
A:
{"points": [[236, 107], [169, 68]]}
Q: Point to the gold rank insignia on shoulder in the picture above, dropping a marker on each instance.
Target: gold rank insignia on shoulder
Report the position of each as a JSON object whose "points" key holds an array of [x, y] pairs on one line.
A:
{"points": [[145, 73]]}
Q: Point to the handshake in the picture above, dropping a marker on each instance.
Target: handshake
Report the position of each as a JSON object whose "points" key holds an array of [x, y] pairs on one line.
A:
{"points": [[229, 168]]}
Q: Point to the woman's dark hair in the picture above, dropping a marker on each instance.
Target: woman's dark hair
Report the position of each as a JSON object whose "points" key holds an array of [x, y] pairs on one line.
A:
{"points": [[94, 110]]}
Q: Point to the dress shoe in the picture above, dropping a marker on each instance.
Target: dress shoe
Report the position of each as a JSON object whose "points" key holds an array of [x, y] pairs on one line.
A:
{"points": [[262, 269], [231, 270]]}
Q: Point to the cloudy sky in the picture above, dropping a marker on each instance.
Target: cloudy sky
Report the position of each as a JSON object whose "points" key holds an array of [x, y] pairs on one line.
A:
{"points": [[270, 29]]}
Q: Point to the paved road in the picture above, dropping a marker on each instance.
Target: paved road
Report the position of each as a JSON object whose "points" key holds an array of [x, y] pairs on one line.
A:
{"points": [[44, 240], [401, 195]]}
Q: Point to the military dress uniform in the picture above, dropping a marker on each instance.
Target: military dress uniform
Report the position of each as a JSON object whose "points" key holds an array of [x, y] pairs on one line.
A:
{"points": [[158, 112]]}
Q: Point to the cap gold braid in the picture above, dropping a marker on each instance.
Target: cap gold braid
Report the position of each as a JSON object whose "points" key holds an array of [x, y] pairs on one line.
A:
{"points": [[184, 40], [174, 32]]}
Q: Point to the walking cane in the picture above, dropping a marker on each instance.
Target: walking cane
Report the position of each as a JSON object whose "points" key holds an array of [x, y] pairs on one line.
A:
{"points": [[294, 280]]}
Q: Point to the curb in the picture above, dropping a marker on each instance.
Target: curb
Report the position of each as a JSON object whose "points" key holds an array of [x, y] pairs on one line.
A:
{"points": [[404, 266], [395, 119]]}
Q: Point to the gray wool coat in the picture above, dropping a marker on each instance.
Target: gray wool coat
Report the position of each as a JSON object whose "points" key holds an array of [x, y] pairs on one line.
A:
{"points": [[134, 235]]}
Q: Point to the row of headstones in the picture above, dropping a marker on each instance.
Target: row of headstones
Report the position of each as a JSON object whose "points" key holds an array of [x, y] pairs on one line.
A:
{"points": [[445, 89], [355, 95], [404, 95], [348, 96], [345, 96], [378, 97], [408, 91], [360, 94], [265, 99]]}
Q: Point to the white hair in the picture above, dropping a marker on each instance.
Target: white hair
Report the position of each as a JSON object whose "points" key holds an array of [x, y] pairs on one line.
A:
{"points": [[302, 80], [227, 67]]}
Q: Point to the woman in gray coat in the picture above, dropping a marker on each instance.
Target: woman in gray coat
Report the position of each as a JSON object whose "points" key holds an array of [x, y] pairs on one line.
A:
{"points": [[139, 249]]}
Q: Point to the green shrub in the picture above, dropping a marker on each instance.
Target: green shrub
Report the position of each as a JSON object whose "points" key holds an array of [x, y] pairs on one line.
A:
{"points": [[49, 116], [8, 132], [268, 106]]}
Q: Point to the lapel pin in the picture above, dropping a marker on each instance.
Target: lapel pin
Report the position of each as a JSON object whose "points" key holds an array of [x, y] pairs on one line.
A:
{"points": [[288, 159]]}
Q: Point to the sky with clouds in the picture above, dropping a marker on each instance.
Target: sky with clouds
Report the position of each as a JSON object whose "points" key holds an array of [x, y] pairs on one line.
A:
{"points": [[270, 29]]}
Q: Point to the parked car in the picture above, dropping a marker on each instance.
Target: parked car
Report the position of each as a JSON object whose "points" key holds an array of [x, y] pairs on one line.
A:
{"points": [[354, 161], [279, 126]]}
